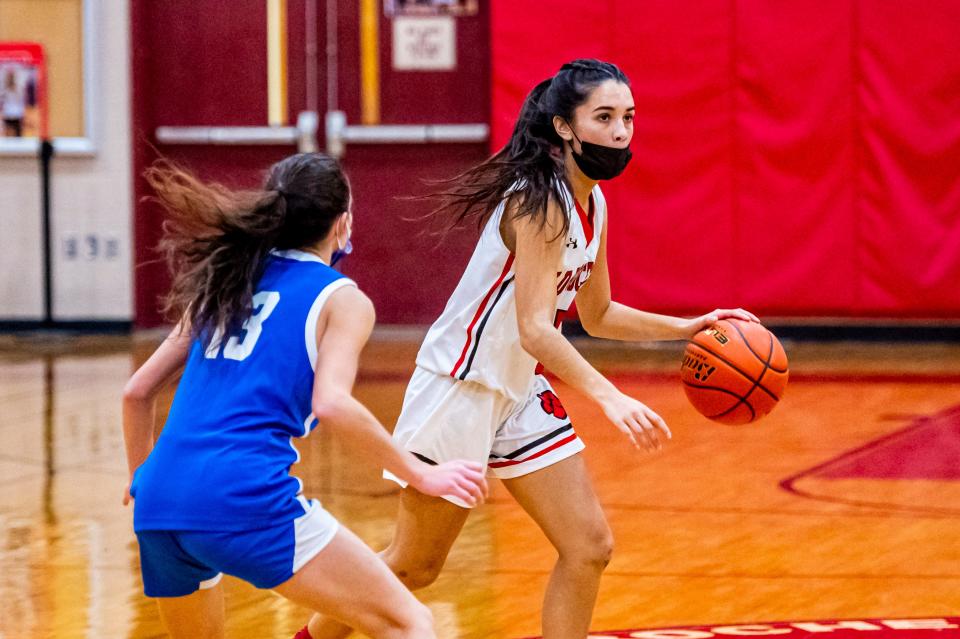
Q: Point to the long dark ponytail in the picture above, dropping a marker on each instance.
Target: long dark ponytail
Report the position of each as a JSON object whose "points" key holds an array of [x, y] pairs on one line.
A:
{"points": [[216, 240], [533, 157]]}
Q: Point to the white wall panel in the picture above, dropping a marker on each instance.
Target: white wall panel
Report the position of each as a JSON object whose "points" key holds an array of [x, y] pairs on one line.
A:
{"points": [[91, 198]]}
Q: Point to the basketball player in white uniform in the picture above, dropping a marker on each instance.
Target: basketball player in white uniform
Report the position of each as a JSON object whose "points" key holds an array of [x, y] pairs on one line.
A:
{"points": [[477, 393], [477, 339]]}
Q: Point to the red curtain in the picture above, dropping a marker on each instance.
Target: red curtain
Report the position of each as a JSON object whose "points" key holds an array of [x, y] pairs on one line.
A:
{"points": [[796, 158]]}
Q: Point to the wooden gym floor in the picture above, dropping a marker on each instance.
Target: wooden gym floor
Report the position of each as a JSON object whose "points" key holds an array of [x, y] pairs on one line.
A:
{"points": [[843, 503]]}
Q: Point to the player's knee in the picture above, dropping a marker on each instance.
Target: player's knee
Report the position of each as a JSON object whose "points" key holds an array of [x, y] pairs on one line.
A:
{"points": [[599, 549], [593, 550], [414, 573], [418, 575], [604, 549]]}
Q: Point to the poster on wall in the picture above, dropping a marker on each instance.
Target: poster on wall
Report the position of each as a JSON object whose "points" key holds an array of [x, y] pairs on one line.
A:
{"points": [[424, 43], [430, 7], [23, 109]]}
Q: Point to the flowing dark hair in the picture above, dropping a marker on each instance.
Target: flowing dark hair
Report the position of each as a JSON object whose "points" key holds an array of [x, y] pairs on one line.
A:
{"points": [[216, 240], [533, 158]]}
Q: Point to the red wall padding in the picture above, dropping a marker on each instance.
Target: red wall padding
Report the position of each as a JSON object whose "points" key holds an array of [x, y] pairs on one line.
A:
{"points": [[796, 158]]}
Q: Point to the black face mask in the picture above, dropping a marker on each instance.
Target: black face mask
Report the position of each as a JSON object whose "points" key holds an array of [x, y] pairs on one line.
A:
{"points": [[600, 162]]}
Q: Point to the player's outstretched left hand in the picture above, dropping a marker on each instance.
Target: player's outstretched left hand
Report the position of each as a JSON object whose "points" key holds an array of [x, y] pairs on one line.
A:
{"points": [[636, 420], [458, 478], [697, 324]]}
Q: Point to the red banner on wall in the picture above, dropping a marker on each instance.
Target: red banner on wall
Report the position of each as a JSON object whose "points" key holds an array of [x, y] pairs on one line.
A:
{"points": [[794, 158], [23, 90]]}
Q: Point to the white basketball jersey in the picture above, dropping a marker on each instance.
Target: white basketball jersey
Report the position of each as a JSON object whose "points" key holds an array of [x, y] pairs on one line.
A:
{"points": [[477, 338]]}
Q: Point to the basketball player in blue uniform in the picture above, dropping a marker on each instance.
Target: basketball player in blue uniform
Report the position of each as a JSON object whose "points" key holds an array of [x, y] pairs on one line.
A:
{"points": [[268, 342], [477, 392]]}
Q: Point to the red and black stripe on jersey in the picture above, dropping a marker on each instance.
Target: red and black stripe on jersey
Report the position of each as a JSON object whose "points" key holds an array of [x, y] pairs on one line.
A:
{"points": [[499, 287]]}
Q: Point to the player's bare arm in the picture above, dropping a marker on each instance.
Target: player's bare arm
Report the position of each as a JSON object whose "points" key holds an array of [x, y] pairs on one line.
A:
{"points": [[538, 253], [602, 317], [343, 329], [140, 394]]}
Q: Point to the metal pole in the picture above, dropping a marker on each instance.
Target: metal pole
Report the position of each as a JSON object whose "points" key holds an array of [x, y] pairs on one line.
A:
{"points": [[46, 154]]}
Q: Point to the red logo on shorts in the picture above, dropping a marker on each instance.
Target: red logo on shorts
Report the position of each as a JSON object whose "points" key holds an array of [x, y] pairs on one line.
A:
{"points": [[551, 405]]}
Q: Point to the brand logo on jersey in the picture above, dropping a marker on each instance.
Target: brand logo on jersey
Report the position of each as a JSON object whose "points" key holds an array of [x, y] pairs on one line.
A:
{"points": [[572, 243], [938, 628], [573, 280], [551, 405]]}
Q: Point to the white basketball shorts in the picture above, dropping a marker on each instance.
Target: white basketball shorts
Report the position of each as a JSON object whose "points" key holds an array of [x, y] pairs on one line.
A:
{"points": [[445, 419]]}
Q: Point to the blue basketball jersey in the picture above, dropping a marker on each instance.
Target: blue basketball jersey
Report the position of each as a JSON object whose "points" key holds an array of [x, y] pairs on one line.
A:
{"points": [[223, 459]]}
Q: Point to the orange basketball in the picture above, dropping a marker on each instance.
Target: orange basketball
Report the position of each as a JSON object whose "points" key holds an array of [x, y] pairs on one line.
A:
{"points": [[734, 372]]}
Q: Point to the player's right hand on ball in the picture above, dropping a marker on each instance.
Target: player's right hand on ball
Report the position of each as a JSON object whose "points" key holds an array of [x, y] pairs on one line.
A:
{"points": [[635, 419], [461, 479]]}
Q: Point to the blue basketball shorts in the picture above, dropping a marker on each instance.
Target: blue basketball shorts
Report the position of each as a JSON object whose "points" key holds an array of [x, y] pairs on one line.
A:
{"points": [[178, 563]]}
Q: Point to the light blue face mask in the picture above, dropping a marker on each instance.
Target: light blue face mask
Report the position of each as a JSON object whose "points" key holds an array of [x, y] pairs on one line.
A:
{"points": [[339, 254]]}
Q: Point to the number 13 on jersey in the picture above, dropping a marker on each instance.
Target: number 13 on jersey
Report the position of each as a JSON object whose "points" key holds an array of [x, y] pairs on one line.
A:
{"points": [[239, 347]]}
